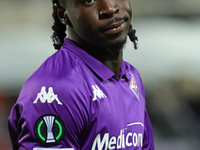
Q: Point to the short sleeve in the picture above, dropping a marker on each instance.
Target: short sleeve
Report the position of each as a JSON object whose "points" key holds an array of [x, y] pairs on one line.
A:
{"points": [[48, 116]]}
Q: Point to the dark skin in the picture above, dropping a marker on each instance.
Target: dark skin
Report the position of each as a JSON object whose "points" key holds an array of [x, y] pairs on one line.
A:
{"points": [[100, 27]]}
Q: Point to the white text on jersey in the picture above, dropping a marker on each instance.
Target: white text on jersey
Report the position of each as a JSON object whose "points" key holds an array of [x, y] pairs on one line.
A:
{"points": [[130, 139], [122, 141]]}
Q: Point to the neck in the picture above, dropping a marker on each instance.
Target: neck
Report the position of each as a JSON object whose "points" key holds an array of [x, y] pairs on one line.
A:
{"points": [[114, 63], [110, 56], [112, 59]]}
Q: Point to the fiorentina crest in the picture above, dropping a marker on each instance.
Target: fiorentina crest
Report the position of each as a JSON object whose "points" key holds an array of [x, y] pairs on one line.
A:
{"points": [[133, 87]]}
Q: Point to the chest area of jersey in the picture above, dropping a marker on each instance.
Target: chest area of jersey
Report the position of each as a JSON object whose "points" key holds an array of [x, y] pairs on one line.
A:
{"points": [[118, 100], [118, 116]]}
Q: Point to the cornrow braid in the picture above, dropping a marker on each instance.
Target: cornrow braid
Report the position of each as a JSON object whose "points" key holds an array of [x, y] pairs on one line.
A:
{"points": [[133, 37], [58, 28]]}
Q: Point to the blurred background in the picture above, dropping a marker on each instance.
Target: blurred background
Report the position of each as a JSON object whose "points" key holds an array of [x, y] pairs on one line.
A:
{"points": [[168, 60]]}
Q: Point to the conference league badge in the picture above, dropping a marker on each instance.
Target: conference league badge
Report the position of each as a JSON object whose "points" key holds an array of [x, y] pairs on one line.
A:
{"points": [[49, 129]]}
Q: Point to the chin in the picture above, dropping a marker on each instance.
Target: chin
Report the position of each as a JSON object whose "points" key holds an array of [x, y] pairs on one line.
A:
{"points": [[115, 46]]}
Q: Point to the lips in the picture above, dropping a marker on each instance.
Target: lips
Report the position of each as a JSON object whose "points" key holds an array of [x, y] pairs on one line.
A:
{"points": [[113, 27]]}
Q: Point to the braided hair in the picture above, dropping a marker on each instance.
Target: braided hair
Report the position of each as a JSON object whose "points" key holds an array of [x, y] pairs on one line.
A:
{"points": [[59, 30], [133, 37]]}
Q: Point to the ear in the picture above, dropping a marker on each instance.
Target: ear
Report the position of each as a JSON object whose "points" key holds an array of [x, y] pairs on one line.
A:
{"points": [[62, 15]]}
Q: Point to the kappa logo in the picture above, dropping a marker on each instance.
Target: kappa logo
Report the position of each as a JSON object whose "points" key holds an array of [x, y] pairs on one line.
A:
{"points": [[134, 88], [48, 97], [97, 92]]}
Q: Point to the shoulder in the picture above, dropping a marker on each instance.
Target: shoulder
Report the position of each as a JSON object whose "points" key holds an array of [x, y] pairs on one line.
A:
{"points": [[60, 74], [56, 88], [60, 63]]}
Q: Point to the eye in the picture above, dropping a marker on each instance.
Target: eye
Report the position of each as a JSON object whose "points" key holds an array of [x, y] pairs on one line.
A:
{"points": [[90, 2]]}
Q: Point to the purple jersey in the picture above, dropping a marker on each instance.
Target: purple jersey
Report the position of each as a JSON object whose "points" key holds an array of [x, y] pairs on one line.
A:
{"points": [[74, 102]]}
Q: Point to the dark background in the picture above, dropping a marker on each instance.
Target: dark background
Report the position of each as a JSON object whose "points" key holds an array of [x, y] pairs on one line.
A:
{"points": [[168, 60]]}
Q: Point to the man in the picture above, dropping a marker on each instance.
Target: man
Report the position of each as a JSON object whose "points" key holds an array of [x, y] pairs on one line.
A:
{"points": [[85, 96]]}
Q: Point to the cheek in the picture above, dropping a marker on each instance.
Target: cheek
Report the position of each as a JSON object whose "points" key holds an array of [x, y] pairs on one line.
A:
{"points": [[87, 24], [126, 6], [89, 18]]}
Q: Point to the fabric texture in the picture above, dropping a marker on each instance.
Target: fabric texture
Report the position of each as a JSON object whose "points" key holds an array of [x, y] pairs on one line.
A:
{"points": [[75, 101]]}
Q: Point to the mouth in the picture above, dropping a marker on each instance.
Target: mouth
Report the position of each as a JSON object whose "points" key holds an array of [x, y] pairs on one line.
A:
{"points": [[114, 26]]}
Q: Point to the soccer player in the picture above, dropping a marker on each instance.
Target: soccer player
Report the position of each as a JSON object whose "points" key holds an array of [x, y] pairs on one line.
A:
{"points": [[85, 96]]}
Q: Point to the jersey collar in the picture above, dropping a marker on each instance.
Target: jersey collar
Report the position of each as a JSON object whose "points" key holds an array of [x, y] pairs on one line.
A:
{"points": [[95, 65]]}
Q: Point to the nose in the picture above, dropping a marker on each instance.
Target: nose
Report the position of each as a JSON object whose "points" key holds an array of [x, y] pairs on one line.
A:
{"points": [[107, 9]]}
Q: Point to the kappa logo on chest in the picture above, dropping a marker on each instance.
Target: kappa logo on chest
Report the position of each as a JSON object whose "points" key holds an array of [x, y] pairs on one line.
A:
{"points": [[133, 87], [97, 92]]}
